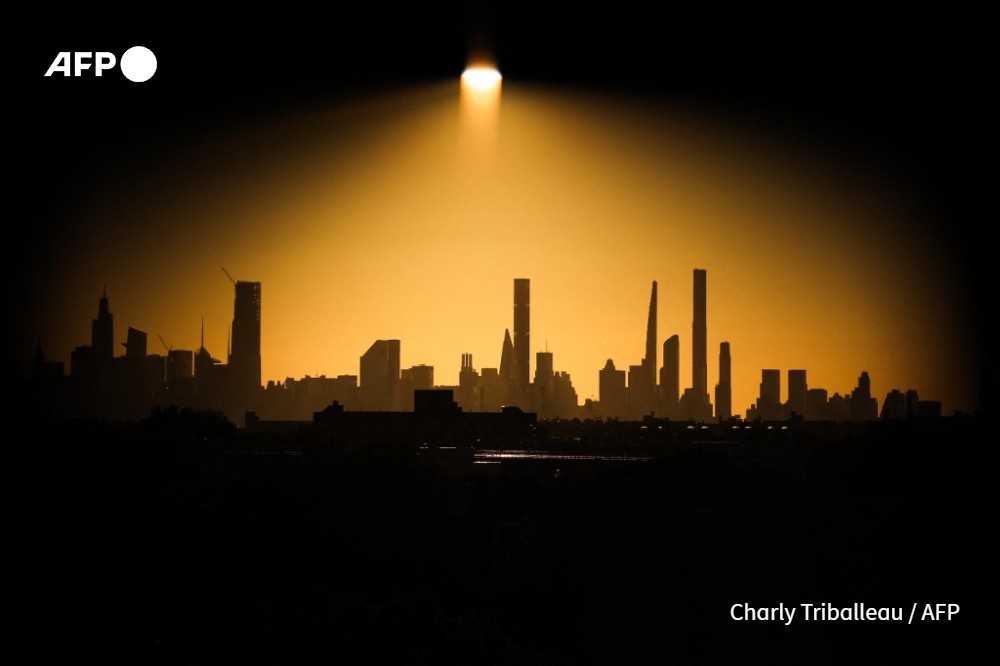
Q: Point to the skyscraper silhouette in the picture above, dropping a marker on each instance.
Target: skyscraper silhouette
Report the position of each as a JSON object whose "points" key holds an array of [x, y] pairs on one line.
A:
{"points": [[797, 390], [695, 403], [543, 368], [203, 361], [507, 362], [612, 391], [135, 345], [649, 362], [642, 393], [102, 332], [522, 338], [544, 379], [380, 376], [468, 381], [244, 359], [699, 337], [670, 382], [724, 389], [769, 400], [180, 365], [863, 406], [91, 365]]}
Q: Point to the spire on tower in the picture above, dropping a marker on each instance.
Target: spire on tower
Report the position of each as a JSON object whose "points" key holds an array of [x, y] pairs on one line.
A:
{"points": [[650, 361]]}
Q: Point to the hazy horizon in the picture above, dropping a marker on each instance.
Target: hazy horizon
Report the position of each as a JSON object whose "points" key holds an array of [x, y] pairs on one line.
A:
{"points": [[391, 218]]}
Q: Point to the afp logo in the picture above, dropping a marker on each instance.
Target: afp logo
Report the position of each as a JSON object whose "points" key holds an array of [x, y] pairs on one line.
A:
{"points": [[138, 64]]}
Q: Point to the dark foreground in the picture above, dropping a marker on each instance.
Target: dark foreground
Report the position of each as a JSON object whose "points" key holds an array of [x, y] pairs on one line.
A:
{"points": [[155, 544]]}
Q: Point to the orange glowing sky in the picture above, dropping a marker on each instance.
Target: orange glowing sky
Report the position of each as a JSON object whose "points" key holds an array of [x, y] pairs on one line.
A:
{"points": [[403, 216]]}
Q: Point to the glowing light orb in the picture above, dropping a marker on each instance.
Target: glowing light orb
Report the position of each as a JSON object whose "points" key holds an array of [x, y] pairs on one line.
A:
{"points": [[481, 78]]}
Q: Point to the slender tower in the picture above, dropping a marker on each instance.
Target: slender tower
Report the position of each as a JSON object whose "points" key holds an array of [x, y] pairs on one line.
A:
{"points": [[724, 389], [699, 338], [102, 332], [649, 363], [522, 335], [670, 380], [508, 378], [642, 384]]}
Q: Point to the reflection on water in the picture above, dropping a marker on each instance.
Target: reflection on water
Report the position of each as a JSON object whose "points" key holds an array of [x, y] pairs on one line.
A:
{"points": [[496, 456]]}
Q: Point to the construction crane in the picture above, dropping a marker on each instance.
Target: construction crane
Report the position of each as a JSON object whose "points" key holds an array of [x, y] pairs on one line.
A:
{"points": [[165, 345], [228, 275]]}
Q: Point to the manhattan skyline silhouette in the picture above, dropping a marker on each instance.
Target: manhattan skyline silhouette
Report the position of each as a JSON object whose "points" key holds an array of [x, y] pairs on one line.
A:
{"points": [[129, 385]]}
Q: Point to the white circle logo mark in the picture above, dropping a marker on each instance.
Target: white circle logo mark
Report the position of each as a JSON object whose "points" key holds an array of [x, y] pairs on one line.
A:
{"points": [[138, 64]]}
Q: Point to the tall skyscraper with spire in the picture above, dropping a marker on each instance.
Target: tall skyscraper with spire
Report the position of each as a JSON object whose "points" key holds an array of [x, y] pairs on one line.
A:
{"points": [[92, 365], [204, 364], [642, 384], [102, 332], [507, 359], [506, 376], [649, 362]]}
